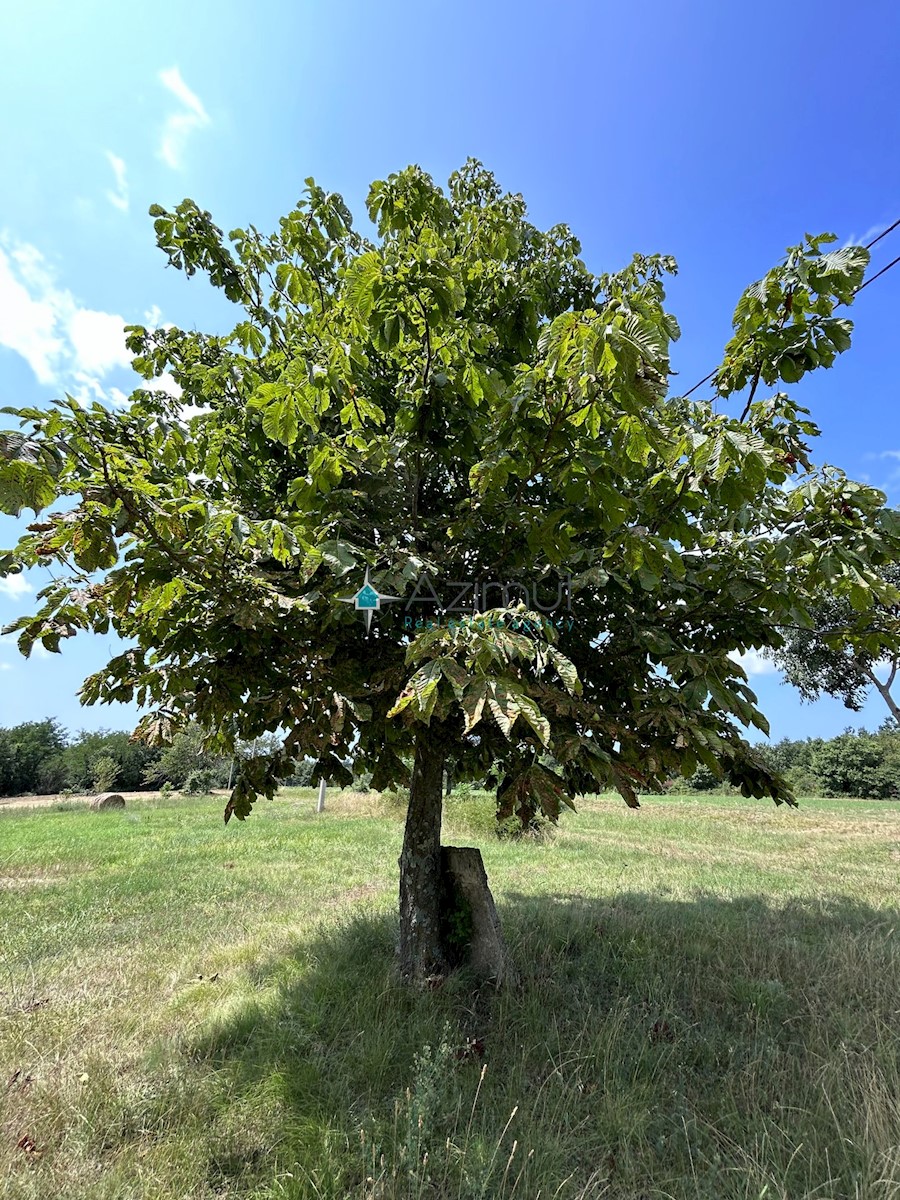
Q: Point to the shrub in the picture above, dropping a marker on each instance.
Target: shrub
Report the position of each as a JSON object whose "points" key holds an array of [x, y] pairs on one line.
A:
{"points": [[679, 786], [105, 773], [396, 797], [538, 829], [183, 756], [704, 780], [473, 810], [302, 776], [200, 782], [803, 781], [854, 764]]}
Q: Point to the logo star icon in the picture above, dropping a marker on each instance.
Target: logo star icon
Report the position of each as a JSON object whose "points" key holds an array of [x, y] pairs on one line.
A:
{"points": [[368, 600]]}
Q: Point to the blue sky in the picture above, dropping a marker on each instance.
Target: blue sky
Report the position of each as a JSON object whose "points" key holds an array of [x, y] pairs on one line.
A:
{"points": [[716, 132]]}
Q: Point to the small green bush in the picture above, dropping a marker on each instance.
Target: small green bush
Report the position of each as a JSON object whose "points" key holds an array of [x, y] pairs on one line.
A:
{"points": [[803, 781], [397, 797], [702, 781], [538, 829], [104, 773], [679, 786], [200, 782], [464, 790]]}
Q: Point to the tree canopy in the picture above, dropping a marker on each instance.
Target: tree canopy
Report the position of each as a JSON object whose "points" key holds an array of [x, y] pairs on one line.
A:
{"points": [[457, 397], [845, 652]]}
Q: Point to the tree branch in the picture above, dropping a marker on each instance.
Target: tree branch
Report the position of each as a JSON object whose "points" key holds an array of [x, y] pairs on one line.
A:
{"points": [[884, 691]]}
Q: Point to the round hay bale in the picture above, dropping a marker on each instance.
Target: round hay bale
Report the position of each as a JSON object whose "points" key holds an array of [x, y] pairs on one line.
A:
{"points": [[107, 800]]}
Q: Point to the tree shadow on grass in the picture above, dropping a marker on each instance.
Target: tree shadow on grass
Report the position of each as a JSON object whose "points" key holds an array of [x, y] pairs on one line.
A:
{"points": [[653, 1047]]}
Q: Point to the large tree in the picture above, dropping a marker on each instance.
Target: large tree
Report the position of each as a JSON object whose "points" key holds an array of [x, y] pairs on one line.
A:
{"points": [[458, 398], [32, 758], [845, 652]]}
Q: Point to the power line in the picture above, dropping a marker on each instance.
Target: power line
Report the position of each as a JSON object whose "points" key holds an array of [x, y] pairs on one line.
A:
{"points": [[892, 263], [705, 379], [884, 233], [877, 275]]}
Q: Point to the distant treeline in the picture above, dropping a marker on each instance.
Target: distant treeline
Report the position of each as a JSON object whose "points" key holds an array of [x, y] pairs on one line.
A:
{"points": [[856, 763], [40, 758]]}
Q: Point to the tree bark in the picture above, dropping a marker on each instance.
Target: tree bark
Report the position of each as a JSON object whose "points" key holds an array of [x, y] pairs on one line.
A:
{"points": [[447, 913], [420, 951], [884, 690], [471, 926]]}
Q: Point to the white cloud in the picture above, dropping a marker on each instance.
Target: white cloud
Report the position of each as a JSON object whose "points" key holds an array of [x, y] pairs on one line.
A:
{"points": [[117, 397], [66, 344], [754, 663], [98, 341], [162, 383], [871, 232], [118, 196], [6, 666], [30, 324], [179, 125], [171, 78], [14, 586]]}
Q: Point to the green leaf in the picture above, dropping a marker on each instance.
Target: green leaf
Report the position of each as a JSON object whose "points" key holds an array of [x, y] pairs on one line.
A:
{"points": [[421, 693], [362, 280], [280, 421], [473, 704], [459, 678], [284, 544], [567, 671], [637, 445], [535, 718], [502, 706], [24, 484]]}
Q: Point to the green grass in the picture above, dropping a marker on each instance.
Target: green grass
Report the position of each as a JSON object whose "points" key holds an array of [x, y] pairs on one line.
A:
{"points": [[709, 1007]]}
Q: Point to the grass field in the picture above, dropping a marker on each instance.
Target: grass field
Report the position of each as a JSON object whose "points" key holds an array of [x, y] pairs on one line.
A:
{"points": [[709, 1007]]}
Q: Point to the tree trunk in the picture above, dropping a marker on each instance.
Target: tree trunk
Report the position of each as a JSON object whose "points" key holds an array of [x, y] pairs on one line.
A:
{"points": [[471, 927], [447, 913], [420, 952]]}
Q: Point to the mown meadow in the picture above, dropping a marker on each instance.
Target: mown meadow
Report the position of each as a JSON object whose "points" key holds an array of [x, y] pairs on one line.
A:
{"points": [[709, 1006]]}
